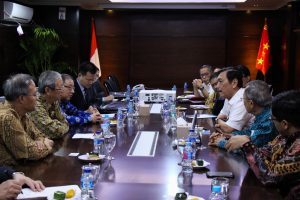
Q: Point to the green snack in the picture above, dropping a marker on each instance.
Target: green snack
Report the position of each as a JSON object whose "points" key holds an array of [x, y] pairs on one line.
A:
{"points": [[58, 195], [200, 162]]}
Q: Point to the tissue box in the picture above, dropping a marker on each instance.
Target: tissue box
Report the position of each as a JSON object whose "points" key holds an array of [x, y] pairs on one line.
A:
{"points": [[182, 131], [144, 110]]}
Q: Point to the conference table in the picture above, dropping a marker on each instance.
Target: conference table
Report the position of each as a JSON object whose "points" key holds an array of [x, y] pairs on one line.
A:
{"points": [[148, 177]]}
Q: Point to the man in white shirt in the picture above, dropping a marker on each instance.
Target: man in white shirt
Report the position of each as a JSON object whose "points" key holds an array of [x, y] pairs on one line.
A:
{"points": [[234, 115], [202, 87]]}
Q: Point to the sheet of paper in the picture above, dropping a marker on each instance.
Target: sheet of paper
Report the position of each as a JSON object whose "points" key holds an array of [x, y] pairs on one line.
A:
{"points": [[49, 192], [73, 154], [83, 136], [202, 116], [156, 108]]}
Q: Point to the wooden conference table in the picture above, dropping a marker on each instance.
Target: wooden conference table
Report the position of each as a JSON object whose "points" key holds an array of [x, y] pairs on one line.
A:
{"points": [[154, 178]]}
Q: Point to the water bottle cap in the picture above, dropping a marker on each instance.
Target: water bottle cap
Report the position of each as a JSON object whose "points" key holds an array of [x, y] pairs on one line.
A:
{"points": [[216, 188], [192, 130], [98, 132]]}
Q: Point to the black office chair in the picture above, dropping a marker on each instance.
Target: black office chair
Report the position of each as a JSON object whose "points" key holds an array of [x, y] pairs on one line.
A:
{"points": [[115, 81], [110, 86]]}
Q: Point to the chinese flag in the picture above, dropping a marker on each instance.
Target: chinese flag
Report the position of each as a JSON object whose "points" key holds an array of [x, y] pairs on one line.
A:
{"points": [[94, 56], [263, 61]]}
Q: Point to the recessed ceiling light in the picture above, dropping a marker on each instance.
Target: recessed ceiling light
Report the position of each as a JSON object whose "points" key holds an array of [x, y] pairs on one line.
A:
{"points": [[177, 1]]}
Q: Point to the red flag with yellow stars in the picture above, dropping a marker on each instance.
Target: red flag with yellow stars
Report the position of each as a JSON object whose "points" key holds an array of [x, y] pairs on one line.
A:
{"points": [[263, 61]]}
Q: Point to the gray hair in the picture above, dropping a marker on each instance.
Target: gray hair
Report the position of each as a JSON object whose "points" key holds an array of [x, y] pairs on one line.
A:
{"points": [[48, 79], [209, 67], [259, 92], [17, 85]]}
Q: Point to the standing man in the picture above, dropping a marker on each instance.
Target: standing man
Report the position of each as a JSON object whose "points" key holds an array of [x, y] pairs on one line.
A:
{"points": [[20, 140], [84, 95], [202, 87], [48, 117]]}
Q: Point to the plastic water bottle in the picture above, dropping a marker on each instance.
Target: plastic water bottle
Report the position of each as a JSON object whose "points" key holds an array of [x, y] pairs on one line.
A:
{"points": [[120, 118], [216, 193], [130, 110], [87, 183], [98, 142], [185, 87], [165, 111], [174, 88], [127, 94], [187, 158]]}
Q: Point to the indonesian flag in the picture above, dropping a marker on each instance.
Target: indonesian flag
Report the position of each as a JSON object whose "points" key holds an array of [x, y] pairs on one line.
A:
{"points": [[263, 61], [94, 56]]}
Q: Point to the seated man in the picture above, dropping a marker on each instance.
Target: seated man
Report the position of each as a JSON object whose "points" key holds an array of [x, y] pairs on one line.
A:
{"points": [[11, 183], [20, 139], [245, 73], [233, 115], [257, 100], [84, 95], [214, 101], [47, 116], [202, 87], [72, 114], [277, 162]]}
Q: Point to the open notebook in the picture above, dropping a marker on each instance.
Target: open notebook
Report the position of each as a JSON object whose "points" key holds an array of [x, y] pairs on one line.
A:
{"points": [[49, 192]]}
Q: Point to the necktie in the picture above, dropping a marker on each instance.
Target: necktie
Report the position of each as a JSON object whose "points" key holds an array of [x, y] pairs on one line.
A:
{"points": [[86, 94]]}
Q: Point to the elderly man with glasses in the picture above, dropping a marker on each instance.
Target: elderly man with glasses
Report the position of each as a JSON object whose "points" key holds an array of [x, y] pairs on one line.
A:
{"points": [[48, 117], [278, 162], [202, 86], [20, 139], [257, 100]]}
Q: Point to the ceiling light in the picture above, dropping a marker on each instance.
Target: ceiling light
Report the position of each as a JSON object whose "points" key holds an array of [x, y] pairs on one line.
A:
{"points": [[177, 1]]}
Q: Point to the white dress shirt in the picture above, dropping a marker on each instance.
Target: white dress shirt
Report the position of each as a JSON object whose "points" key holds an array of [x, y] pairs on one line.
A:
{"points": [[234, 109]]}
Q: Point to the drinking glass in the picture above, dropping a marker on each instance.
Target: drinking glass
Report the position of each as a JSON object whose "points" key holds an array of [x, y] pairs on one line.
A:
{"points": [[223, 182], [109, 143]]}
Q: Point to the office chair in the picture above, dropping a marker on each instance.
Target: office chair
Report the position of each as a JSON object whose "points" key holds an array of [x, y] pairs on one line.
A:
{"points": [[115, 82]]}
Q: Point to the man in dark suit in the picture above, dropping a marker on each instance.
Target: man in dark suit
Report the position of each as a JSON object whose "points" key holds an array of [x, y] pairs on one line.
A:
{"points": [[84, 96]]}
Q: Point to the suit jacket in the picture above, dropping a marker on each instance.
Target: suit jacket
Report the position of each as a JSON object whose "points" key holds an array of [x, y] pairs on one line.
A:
{"points": [[80, 102]]}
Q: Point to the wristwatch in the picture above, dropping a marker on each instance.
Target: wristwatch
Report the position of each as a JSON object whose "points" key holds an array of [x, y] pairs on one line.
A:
{"points": [[201, 88]]}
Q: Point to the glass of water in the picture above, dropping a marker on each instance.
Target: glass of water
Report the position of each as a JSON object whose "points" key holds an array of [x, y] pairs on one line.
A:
{"points": [[223, 183], [109, 143]]}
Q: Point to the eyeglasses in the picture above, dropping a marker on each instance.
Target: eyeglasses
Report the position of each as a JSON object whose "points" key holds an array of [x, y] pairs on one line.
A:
{"points": [[204, 74], [70, 87], [273, 118]]}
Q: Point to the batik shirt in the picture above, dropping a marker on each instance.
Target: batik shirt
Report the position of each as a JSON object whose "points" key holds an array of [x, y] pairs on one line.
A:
{"points": [[275, 161], [73, 115], [49, 119], [18, 138], [261, 131]]}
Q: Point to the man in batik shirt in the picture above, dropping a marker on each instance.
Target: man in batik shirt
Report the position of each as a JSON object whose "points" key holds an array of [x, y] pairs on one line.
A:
{"points": [[278, 162], [72, 114], [20, 139], [47, 116]]}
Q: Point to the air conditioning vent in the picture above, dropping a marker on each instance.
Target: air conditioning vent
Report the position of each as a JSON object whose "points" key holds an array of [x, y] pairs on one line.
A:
{"points": [[16, 12]]}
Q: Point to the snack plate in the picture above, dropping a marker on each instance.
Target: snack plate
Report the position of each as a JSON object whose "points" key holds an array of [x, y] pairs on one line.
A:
{"points": [[86, 157], [196, 166]]}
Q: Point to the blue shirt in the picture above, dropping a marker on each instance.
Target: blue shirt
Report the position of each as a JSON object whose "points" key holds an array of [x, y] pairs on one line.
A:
{"points": [[261, 131], [73, 115]]}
